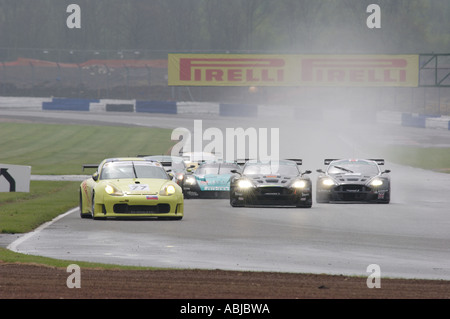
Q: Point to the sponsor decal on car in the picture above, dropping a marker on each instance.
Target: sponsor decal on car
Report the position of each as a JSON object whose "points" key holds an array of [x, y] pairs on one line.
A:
{"points": [[139, 187]]}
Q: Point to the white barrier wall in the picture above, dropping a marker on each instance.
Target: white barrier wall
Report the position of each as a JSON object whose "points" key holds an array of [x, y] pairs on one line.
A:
{"points": [[216, 109]]}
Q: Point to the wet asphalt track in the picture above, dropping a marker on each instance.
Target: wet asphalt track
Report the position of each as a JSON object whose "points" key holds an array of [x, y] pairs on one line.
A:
{"points": [[408, 238]]}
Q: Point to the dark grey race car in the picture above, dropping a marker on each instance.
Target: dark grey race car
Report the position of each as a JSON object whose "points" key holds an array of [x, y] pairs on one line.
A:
{"points": [[271, 184], [353, 180]]}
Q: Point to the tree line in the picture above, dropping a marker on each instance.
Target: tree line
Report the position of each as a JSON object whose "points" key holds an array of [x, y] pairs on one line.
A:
{"points": [[153, 28]]}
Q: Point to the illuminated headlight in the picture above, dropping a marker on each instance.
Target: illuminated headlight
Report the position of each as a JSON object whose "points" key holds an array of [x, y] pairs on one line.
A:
{"points": [[168, 190], [190, 180], [180, 177], [328, 182], [376, 182], [299, 184], [111, 190], [245, 184]]}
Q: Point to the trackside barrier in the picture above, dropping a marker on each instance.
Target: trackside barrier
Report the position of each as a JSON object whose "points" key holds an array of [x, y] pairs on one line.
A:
{"points": [[62, 104], [22, 102], [425, 121], [109, 105], [414, 120], [438, 123], [164, 107], [200, 108], [389, 117], [247, 110], [119, 108]]}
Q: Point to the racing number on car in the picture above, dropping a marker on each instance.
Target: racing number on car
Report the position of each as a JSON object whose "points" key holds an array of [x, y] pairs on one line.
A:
{"points": [[139, 187]]}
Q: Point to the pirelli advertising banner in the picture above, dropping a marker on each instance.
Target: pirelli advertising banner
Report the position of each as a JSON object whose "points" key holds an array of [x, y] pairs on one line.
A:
{"points": [[293, 70]]}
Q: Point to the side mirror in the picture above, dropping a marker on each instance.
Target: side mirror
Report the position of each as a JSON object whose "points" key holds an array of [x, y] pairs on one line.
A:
{"points": [[234, 171], [306, 172], [320, 171], [386, 171], [171, 175], [95, 176]]}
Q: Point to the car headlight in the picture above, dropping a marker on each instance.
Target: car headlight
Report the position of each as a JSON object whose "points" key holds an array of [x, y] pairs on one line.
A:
{"points": [[190, 180], [299, 184], [168, 190], [112, 190], [245, 184], [328, 182], [376, 182]]}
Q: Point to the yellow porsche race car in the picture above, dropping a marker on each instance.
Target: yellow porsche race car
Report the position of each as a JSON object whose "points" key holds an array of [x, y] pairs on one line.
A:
{"points": [[130, 187]]}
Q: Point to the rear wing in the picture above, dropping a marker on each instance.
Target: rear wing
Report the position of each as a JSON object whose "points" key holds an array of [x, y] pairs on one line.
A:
{"points": [[166, 163], [90, 166], [379, 161], [298, 161], [327, 161], [241, 161]]}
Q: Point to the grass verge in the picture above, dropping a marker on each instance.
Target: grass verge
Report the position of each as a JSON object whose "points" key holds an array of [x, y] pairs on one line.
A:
{"points": [[8, 256], [62, 149], [431, 158], [23, 212]]}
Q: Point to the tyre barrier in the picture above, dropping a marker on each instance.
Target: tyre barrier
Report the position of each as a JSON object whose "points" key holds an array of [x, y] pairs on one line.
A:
{"points": [[119, 108], [164, 107], [425, 121], [246, 110], [62, 104], [214, 109]]}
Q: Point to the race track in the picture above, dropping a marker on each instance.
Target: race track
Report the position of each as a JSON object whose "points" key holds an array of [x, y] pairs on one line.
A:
{"points": [[409, 238]]}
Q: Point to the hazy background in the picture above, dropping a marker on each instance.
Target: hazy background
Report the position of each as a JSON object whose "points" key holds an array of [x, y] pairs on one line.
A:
{"points": [[159, 26], [150, 29]]}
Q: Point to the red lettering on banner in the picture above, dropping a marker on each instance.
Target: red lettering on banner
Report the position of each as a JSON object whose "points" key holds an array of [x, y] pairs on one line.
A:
{"points": [[371, 76], [402, 75], [234, 75], [336, 75], [212, 75], [356, 75], [250, 77], [387, 76], [354, 70], [198, 75], [233, 69]]}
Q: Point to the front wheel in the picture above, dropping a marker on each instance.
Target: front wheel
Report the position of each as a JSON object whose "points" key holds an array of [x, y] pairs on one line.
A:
{"points": [[83, 215], [93, 209], [305, 204], [234, 201]]}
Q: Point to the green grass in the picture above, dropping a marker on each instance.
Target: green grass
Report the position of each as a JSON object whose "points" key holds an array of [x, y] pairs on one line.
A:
{"points": [[431, 158], [23, 212], [63, 149], [9, 256]]}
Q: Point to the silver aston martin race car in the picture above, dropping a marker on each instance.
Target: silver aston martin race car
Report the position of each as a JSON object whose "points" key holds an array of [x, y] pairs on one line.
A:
{"points": [[350, 180]]}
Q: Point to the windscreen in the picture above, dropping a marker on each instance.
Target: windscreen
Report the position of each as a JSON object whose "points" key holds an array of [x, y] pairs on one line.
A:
{"points": [[119, 170], [216, 169], [268, 169], [345, 166]]}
